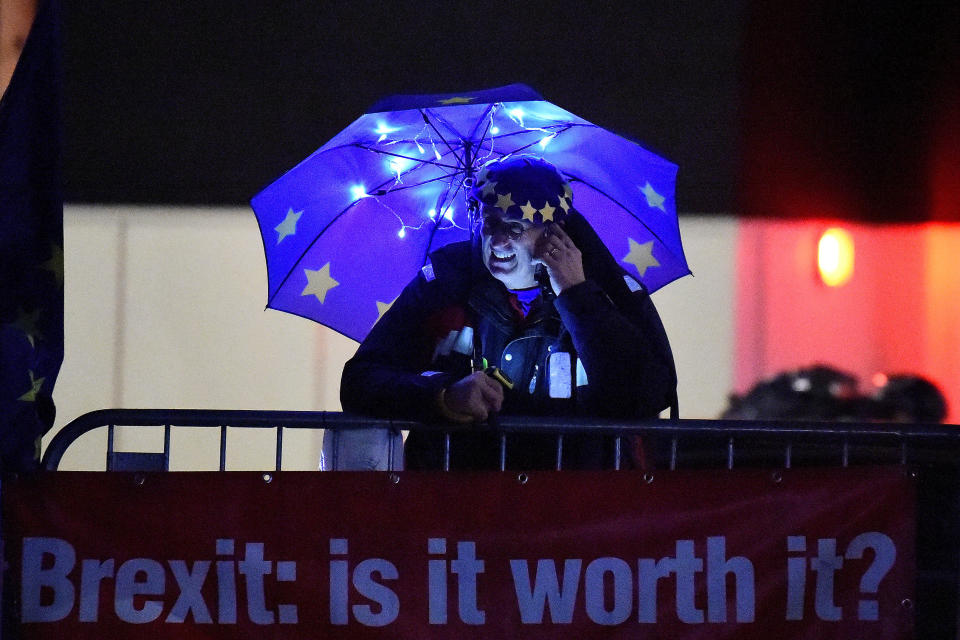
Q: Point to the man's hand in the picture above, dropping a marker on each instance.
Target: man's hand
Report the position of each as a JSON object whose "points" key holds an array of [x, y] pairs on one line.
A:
{"points": [[476, 395], [563, 260]]}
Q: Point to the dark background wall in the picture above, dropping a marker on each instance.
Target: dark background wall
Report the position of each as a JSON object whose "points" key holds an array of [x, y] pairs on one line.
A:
{"points": [[206, 102], [850, 110]]}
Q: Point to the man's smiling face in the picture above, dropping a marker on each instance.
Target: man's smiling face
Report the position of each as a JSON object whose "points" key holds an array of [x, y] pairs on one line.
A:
{"points": [[508, 249]]}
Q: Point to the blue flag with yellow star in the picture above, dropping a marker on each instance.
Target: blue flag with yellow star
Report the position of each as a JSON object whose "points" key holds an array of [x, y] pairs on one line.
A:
{"points": [[31, 242]]}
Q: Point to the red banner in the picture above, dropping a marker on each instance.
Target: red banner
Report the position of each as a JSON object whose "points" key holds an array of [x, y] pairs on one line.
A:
{"points": [[699, 554]]}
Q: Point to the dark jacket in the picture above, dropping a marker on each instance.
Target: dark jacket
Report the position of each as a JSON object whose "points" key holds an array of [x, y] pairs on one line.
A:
{"points": [[608, 322]]}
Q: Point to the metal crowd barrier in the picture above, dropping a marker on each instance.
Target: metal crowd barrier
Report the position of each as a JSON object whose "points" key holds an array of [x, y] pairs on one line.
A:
{"points": [[680, 443], [931, 452]]}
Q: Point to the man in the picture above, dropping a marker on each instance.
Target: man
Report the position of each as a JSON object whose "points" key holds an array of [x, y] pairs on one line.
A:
{"points": [[583, 338]]}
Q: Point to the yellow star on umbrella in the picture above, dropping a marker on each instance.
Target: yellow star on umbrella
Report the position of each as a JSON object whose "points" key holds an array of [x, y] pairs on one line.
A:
{"points": [[383, 307], [319, 282], [458, 100], [35, 385], [289, 225], [505, 201], [488, 189], [641, 256], [528, 211], [654, 199]]}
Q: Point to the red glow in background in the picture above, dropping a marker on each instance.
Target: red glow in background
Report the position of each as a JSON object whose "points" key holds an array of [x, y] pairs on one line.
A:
{"points": [[850, 118], [897, 314]]}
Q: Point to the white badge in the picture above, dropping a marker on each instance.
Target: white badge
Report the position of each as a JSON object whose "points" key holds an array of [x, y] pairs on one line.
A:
{"points": [[558, 369]]}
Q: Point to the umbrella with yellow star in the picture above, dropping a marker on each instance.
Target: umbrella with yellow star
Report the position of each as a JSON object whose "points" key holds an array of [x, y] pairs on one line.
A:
{"points": [[346, 229]]}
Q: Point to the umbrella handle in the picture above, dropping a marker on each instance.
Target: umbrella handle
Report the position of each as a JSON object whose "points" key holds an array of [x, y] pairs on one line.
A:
{"points": [[543, 279], [473, 212], [479, 363]]}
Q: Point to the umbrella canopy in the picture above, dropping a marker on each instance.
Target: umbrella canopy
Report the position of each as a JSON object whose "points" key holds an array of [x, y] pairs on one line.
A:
{"points": [[346, 229]]}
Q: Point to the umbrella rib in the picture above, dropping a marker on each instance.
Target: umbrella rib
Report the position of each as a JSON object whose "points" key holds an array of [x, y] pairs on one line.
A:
{"points": [[360, 145], [562, 129], [483, 117], [442, 139], [454, 170], [436, 225], [366, 147], [405, 186], [447, 123], [619, 204], [405, 157], [522, 148], [483, 138]]}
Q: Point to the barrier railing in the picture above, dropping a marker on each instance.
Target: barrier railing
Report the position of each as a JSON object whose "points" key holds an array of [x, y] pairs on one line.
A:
{"points": [[683, 443]]}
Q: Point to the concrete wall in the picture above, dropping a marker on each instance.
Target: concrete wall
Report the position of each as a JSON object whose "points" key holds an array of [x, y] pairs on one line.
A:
{"points": [[164, 308]]}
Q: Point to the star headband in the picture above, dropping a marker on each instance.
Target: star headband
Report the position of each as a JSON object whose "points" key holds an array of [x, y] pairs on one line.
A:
{"points": [[523, 187]]}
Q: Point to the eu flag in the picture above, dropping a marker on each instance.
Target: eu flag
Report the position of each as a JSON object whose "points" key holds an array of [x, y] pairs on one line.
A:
{"points": [[31, 242]]}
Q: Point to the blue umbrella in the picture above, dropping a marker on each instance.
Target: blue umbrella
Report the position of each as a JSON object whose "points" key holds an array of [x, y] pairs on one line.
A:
{"points": [[346, 229]]}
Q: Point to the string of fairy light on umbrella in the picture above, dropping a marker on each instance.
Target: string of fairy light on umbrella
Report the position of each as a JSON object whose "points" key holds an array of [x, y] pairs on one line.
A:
{"points": [[345, 229]]}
